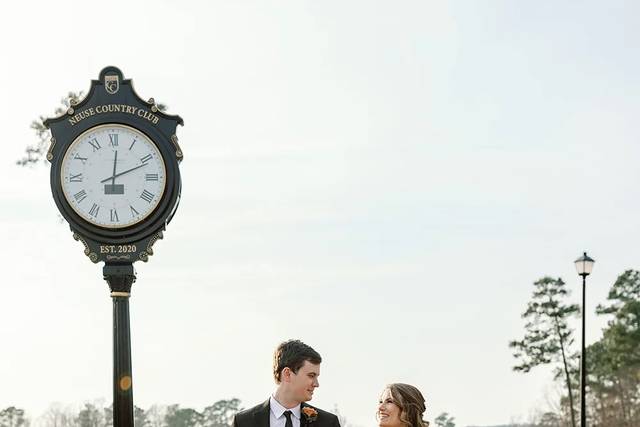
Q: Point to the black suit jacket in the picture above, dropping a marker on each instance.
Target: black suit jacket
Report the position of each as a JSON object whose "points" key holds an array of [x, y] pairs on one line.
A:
{"points": [[258, 416]]}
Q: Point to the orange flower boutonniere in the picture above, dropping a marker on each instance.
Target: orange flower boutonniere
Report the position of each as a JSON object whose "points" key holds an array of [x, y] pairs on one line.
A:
{"points": [[310, 413]]}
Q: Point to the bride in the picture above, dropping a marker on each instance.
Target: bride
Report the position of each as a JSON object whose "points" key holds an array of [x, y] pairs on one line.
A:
{"points": [[401, 405]]}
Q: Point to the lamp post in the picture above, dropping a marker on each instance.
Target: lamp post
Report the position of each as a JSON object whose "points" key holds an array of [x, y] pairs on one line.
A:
{"points": [[584, 265]]}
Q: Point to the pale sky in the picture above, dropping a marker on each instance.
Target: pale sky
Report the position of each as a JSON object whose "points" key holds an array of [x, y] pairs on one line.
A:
{"points": [[383, 180]]}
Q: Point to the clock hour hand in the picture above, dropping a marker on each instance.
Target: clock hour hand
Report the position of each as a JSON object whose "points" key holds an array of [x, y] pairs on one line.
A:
{"points": [[122, 173]]}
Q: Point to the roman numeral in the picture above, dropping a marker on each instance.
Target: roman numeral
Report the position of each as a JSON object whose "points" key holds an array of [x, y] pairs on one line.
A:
{"points": [[134, 212], [75, 178], [151, 177], [80, 196], [146, 158], [95, 144], [114, 215], [94, 210], [113, 139], [146, 196], [134, 141], [82, 159]]}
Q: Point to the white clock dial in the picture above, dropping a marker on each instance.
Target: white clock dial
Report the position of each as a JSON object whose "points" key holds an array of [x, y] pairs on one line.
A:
{"points": [[113, 176]]}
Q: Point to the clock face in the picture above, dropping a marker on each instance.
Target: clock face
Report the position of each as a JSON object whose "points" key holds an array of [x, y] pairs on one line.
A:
{"points": [[113, 176]]}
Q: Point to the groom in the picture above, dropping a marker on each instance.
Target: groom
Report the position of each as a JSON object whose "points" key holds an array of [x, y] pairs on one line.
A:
{"points": [[296, 368]]}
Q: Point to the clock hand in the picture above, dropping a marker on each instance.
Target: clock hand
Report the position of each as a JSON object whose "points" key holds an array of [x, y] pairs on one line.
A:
{"points": [[122, 173], [115, 161]]}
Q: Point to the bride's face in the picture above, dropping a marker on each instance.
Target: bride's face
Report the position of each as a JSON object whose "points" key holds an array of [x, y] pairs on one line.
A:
{"points": [[388, 413]]}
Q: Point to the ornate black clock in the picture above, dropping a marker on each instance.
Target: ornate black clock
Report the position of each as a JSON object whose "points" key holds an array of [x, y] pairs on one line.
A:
{"points": [[114, 174], [115, 179]]}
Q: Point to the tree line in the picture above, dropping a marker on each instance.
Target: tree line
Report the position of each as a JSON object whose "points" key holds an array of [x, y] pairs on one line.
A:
{"points": [[219, 414], [612, 362]]}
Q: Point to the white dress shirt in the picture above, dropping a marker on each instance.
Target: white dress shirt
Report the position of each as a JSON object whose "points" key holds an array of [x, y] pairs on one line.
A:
{"points": [[276, 415]]}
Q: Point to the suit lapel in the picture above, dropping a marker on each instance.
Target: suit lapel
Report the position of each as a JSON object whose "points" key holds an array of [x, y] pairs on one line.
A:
{"points": [[261, 415]]}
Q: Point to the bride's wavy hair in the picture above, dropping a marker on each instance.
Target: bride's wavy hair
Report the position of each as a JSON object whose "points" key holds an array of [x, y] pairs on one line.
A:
{"points": [[411, 404]]}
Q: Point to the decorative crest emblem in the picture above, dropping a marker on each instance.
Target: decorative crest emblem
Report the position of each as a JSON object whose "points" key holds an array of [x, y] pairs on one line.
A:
{"points": [[111, 84]]}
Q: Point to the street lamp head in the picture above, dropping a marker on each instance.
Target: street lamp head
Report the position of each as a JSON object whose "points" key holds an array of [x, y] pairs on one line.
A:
{"points": [[584, 265]]}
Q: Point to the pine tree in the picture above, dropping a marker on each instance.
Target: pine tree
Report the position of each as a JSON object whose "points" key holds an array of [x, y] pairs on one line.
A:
{"points": [[548, 336]]}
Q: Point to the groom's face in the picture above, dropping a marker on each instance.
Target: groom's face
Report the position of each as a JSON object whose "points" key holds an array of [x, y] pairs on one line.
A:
{"points": [[304, 382]]}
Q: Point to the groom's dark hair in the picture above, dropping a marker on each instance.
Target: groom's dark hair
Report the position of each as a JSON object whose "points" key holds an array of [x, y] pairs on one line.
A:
{"points": [[292, 354]]}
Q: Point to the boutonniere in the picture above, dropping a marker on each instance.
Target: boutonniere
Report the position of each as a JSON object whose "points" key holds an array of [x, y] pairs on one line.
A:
{"points": [[310, 414]]}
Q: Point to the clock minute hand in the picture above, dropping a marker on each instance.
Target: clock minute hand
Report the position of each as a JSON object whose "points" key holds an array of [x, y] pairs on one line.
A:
{"points": [[123, 172], [115, 162]]}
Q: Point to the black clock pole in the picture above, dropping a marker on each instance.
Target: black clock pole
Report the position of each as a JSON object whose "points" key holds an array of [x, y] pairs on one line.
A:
{"points": [[120, 277], [117, 220]]}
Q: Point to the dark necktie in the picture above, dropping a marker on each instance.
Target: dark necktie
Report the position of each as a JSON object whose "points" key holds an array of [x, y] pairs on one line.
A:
{"points": [[289, 423]]}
